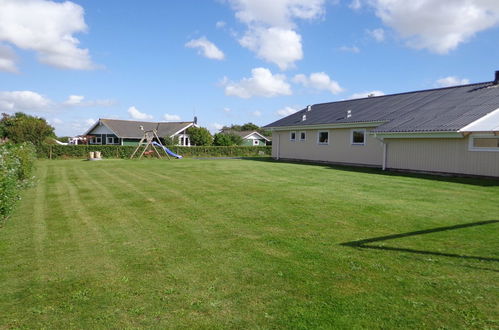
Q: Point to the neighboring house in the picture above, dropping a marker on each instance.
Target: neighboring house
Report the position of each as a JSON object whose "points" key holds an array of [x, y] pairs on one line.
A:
{"points": [[129, 133], [250, 138], [446, 130]]}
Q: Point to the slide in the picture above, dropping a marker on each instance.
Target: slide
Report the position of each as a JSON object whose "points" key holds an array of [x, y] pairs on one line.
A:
{"points": [[60, 143], [168, 151]]}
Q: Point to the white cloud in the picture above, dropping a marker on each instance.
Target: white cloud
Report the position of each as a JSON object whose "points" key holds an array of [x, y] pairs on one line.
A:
{"points": [[57, 121], [24, 101], [256, 113], [353, 49], [169, 117], [206, 48], [227, 110], [377, 34], [276, 45], [286, 111], [437, 25], [79, 101], [262, 83], [220, 24], [216, 126], [136, 114], [47, 27], [8, 59], [271, 28], [74, 99], [277, 12], [319, 81], [366, 94], [451, 81], [355, 5], [29, 101]]}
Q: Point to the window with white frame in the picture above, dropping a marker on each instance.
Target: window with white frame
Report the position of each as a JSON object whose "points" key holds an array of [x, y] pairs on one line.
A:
{"points": [[358, 137], [484, 143], [323, 137], [111, 140], [95, 140], [292, 136], [303, 136], [256, 142]]}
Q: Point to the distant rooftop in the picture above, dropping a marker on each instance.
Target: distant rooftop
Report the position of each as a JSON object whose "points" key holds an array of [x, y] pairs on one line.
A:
{"points": [[131, 128]]}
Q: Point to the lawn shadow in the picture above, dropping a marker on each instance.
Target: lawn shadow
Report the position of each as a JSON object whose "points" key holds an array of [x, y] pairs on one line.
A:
{"points": [[364, 243], [462, 179]]}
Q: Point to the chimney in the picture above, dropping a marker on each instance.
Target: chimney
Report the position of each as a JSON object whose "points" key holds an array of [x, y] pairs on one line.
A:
{"points": [[195, 120], [496, 80]]}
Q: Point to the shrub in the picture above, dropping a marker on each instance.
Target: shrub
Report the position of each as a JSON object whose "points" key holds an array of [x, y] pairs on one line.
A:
{"points": [[227, 139], [199, 136], [16, 168], [81, 151]]}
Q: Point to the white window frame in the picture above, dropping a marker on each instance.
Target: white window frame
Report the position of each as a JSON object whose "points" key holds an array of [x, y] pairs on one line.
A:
{"points": [[256, 142], [357, 143], [305, 136], [98, 140], [328, 137], [94, 140], [113, 140], [471, 146], [290, 136]]}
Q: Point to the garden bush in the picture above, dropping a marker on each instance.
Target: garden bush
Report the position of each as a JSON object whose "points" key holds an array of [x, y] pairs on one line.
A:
{"points": [[81, 151], [16, 169]]}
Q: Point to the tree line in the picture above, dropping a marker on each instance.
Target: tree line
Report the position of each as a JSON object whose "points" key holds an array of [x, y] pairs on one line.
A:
{"points": [[21, 127], [201, 136]]}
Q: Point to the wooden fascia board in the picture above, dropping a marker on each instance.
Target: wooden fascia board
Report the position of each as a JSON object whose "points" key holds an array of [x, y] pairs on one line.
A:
{"points": [[417, 135], [186, 127], [327, 126], [255, 132]]}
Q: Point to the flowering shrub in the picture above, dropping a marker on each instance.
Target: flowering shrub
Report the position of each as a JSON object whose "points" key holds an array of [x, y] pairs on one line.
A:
{"points": [[16, 168]]}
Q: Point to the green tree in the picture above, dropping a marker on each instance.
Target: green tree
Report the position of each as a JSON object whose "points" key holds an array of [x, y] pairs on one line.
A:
{"points": [[250, 127], [25, 128], [168, 141], [227, 139], [199, 136]]}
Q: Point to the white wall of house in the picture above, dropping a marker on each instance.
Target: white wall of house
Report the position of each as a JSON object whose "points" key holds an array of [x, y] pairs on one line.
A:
{"points": [[182, 139], [441, 155], [339, 148]]}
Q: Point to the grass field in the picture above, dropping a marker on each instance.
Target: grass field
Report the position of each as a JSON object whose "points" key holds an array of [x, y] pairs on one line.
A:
{"points": [[248, 244]]}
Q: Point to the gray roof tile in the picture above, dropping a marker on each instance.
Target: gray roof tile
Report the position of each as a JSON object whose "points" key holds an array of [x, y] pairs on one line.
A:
{"points": [[442, 109], [131, 129]]}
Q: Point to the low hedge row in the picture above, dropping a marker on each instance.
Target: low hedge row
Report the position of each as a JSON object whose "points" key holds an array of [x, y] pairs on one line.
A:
{"points": [[81, 151], [16, 169]]}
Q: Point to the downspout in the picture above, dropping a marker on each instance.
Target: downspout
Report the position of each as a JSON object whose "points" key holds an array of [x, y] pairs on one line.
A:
{"points": [[278, 145], [385, 151]]}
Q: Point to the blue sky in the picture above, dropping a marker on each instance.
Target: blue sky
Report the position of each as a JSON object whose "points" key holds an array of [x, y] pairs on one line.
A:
{"points": [[231, 61]]}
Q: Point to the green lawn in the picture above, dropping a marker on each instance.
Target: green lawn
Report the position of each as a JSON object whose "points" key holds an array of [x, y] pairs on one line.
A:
{"points": [[248, 244]]}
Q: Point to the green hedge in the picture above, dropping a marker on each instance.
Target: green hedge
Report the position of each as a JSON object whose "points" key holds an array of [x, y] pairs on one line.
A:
{"points": [[16, 169], [81, 151]]}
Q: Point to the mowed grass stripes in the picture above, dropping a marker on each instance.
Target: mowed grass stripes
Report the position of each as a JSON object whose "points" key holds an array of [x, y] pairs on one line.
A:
{"points": [[248, 243]]}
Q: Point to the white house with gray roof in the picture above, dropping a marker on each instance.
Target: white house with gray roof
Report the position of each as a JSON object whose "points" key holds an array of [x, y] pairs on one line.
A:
{"points": [[128, 132], [446, 130]]}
